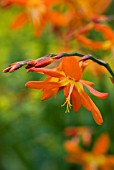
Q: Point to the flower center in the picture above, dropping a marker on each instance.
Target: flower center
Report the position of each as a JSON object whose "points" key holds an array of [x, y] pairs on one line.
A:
{"points": [[36, 9]]}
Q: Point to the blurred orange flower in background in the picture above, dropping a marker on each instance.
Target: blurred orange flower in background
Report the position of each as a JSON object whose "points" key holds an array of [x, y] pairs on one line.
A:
{"points": [[39, 12], [91, 160], [68, 76]]}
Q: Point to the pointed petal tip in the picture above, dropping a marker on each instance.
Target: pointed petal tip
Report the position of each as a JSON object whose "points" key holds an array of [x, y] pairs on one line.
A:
{"points": [[30, 84], [43, 98], [97, 117], [27, 84], [100, 122]]}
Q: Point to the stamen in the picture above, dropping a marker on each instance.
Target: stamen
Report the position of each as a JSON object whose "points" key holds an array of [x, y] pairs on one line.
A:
{"points": [[68, 105], [68, 100]]}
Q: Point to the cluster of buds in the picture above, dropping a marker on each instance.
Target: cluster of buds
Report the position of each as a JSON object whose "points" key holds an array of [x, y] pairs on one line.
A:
{"points": [[40, 62]]}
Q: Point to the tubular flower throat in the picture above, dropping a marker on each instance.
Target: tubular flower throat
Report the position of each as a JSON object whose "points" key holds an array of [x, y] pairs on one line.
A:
{"points": [[67, 76]]}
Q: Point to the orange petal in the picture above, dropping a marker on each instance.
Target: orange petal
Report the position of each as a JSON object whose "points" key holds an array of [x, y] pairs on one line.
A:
{"points": [[20, 21], [35, 84], [110, 161], [49, 93], [85, 101], [72, 147], [66, 90], [96, 113], [71, 68], [49, 72], [95, 92], [76, 102], [87, 82], [42, 85], [93, 45], [57, 18], [107, 31], [89, 105], [101, 145]]}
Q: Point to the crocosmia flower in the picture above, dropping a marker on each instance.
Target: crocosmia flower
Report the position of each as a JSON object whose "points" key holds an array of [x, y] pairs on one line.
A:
{"points": [[96, 159], [67, 76], [39, 13]]}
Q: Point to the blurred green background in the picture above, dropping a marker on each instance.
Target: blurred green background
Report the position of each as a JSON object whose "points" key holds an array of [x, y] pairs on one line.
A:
{"points": [[31, 130]]}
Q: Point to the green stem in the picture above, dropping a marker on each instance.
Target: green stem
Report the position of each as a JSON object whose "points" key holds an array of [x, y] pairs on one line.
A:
{"points": [[84, 57], [64, 54]]}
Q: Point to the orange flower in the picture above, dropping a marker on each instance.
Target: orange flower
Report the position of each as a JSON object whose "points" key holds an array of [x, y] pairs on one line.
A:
{"points": [[40, 13], [68, 77], [93, 160], [82, 12]]}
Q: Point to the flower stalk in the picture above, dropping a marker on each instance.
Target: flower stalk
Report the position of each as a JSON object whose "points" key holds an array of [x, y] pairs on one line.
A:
{"points": [[48, 59]]}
